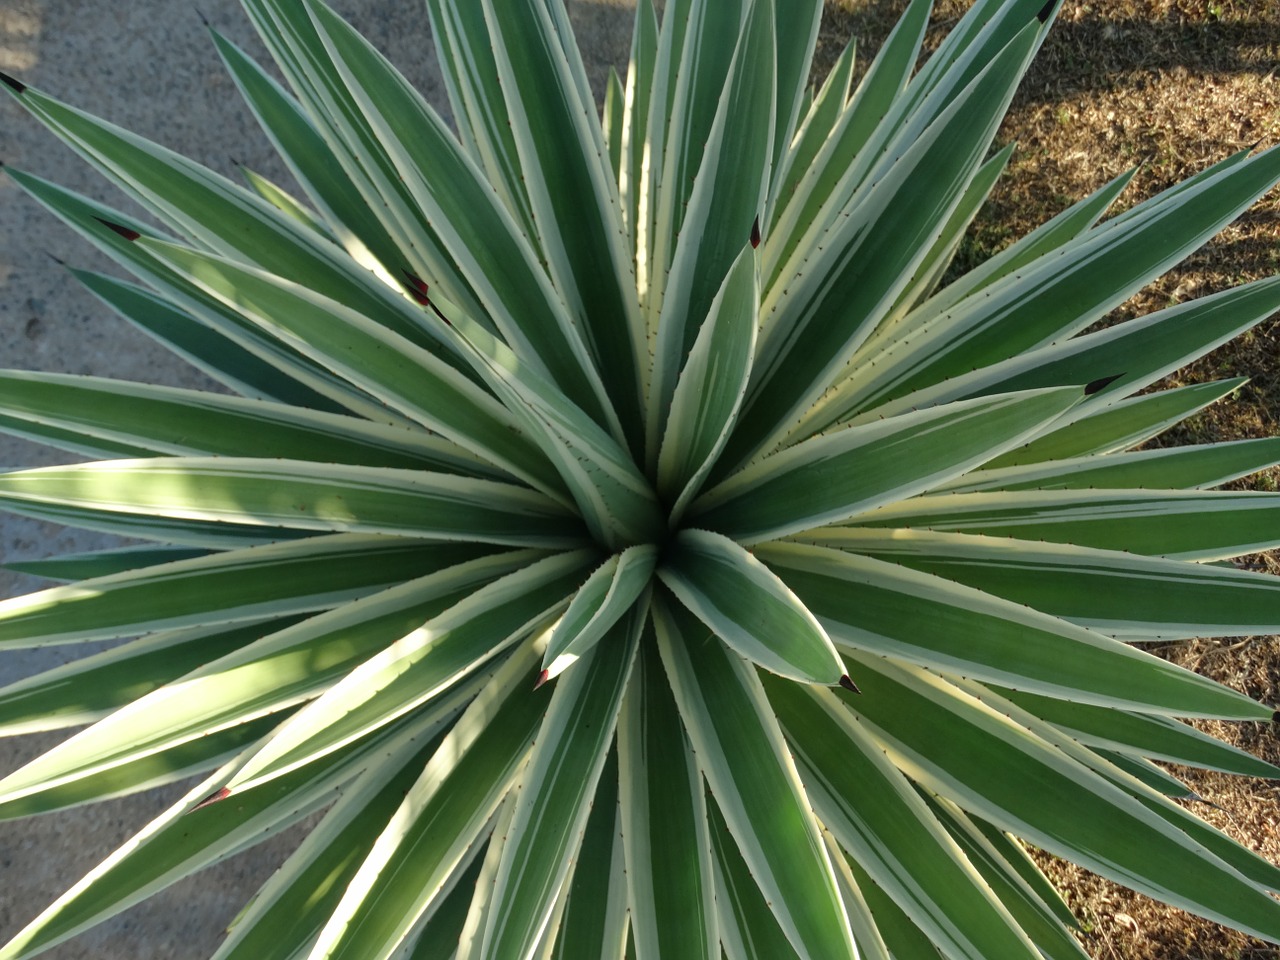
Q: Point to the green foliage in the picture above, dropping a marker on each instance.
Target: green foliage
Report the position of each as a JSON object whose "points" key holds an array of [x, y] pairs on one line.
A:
{"points": [[621, 531]]}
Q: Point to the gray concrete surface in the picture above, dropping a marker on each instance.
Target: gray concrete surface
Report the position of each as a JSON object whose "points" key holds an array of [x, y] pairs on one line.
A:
{"points": [[148, 66]]}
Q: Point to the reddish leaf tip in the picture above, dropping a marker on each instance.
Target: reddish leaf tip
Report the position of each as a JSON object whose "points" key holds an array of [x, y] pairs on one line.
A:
{"points": [[417, 288], [848, 684], [213, 798], [14, 84], [755, 234], [126, 232], [543, 677]]}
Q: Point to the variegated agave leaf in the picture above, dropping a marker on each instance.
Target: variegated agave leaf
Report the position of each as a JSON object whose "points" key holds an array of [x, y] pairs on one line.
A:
{"points": [[622, 531]]}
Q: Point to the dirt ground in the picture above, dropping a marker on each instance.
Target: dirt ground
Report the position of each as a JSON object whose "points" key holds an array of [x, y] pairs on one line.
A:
{"points": [[1170, 86]]}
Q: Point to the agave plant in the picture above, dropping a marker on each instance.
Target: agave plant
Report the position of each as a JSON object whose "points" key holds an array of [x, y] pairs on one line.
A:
{"points": [[627, 532]]}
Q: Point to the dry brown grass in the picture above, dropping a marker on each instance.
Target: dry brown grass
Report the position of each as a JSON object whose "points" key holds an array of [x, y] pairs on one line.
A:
{"points": [[1173, 86]]}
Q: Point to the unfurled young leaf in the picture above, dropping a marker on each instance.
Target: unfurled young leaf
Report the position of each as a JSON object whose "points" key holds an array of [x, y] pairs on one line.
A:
{"points": [[627, 526]]}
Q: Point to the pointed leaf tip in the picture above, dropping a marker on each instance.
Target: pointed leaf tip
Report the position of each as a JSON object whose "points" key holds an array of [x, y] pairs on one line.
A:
{"points": [[848, 684], [417, 288], [1046, 11], [124, 231], [17, 86], [543, 677], [755, 234], [211, 799], [1097, 386]]}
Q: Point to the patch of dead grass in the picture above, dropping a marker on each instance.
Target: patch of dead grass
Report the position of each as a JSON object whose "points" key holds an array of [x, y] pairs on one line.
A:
{"points": [[1169, 86]]}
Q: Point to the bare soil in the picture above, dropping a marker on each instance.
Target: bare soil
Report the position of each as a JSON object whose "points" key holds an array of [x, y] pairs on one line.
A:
{"points": [[1169, 86]]}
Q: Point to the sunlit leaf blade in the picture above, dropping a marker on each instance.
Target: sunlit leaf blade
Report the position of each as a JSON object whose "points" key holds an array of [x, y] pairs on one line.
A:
{"points": [[133, 419], [815, 130], [264, 678], [880, 608], [1157, 738], [987, 764], [614, 497], [280, 198], [475, 93], [297, 495], [457, 204], [133, 773], [711, 386], [219, 342], [722, 209], [1059, 296], [635, 115], [286, 914], [212, 211], [102, 563], [901, 937], [866, 937], [290, 33], [669, 868], [439, 818], [874, 813], [1046, 238], [694, 60], [310, 159], [447, 922], [88, 688], [748, 928], [211, 350], [593, 924], [796, 30], [419, 667], [555, 793], [573, 196], [1117, 593], [611, 121], [1051, 935], [1183, 524], [184, 839], [1142, 780], [840, 475], [740, 751], [823, 306], [1110, 425], [611, 590], [1135, 354], [1179, 468], [824, 175], [1014, 853], [407, 378], [748, 607], [276, 580], [939, 255], [481, 901]]}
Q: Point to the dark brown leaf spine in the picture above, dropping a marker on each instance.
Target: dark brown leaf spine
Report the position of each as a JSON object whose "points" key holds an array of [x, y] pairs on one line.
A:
{"points": [[126, 232], [1096, 386]]}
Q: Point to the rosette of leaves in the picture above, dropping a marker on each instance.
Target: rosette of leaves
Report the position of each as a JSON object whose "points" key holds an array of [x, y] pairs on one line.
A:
{"points": [[619, 529]]}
